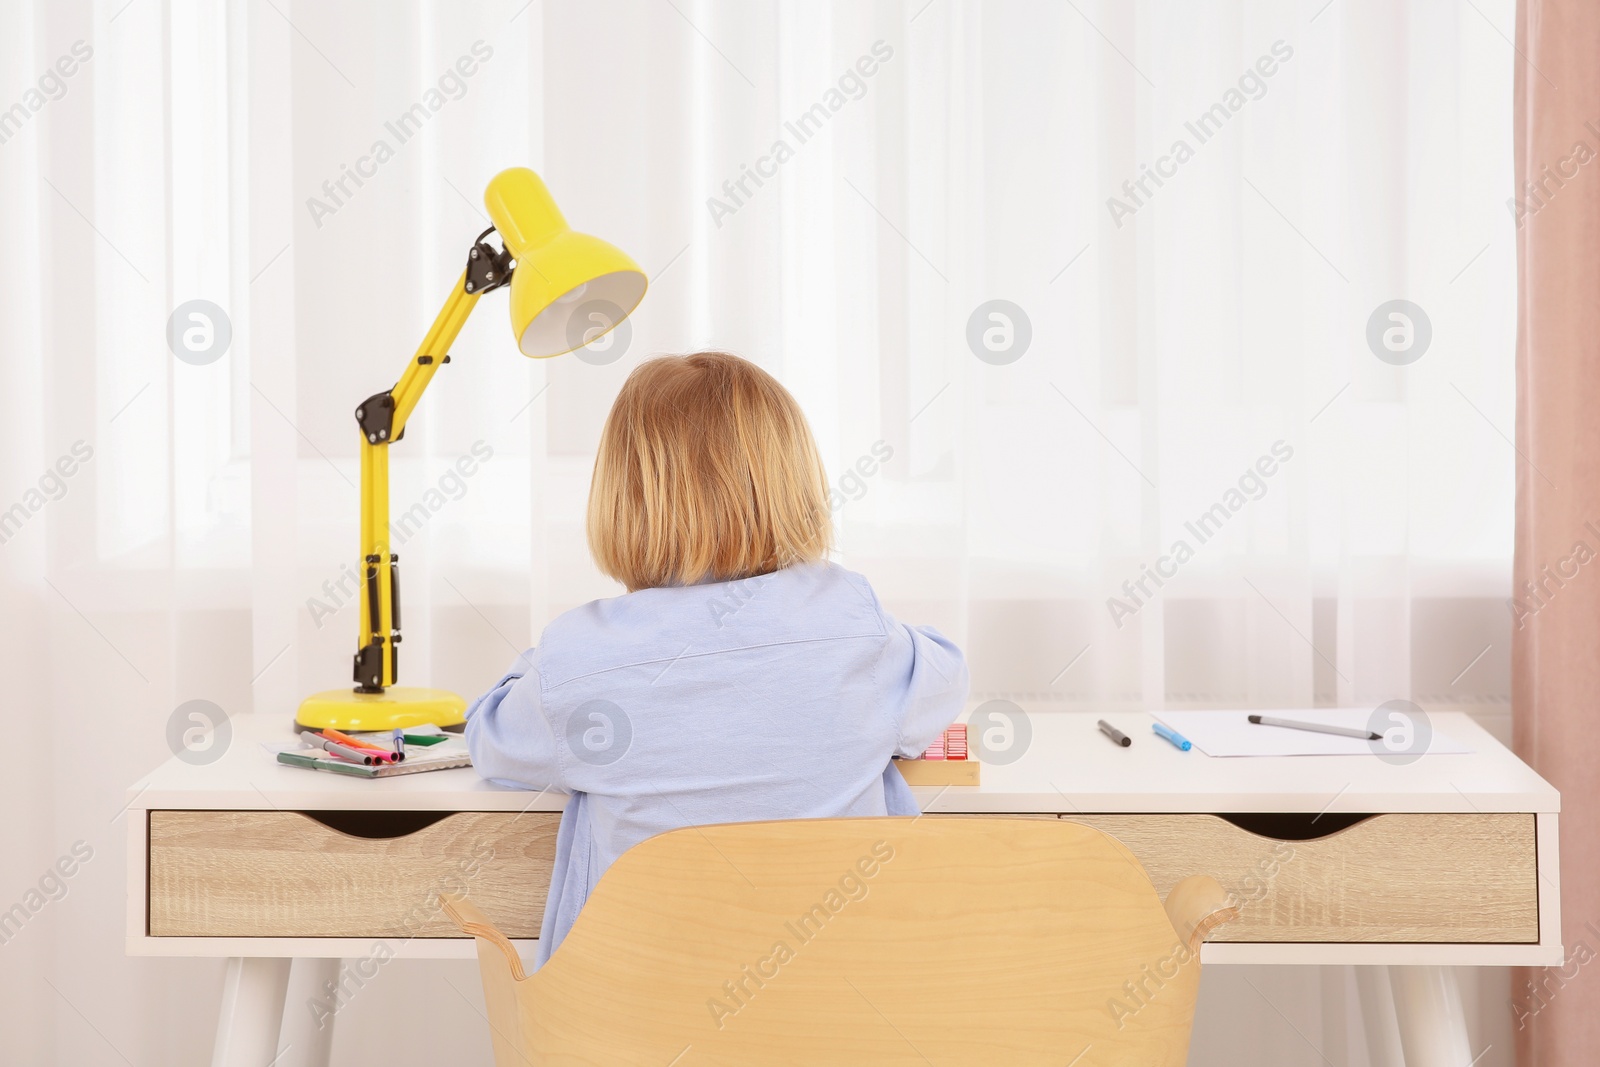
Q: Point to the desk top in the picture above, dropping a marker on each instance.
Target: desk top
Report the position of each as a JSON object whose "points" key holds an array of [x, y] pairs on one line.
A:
{"points": [[1068, 767]]}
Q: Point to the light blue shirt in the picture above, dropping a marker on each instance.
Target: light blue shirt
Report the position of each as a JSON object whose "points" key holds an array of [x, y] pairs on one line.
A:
{"points": [[776, 697]]}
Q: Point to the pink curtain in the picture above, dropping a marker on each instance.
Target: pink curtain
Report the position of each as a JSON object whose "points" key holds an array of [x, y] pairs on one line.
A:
{"points": [[1556, 603]]}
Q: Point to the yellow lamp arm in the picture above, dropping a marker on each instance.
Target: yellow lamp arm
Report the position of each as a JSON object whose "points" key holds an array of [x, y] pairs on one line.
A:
{"points": [[382, 419]]}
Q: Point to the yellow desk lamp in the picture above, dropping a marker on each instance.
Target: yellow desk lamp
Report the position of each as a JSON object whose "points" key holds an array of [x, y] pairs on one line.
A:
{"points": [[550, 268]]}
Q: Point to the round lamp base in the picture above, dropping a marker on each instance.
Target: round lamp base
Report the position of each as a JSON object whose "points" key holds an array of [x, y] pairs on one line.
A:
{"points": [[398, 707]]}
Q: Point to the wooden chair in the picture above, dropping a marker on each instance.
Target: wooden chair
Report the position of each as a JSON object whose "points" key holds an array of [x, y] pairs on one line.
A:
{"points": [[862, 941]]}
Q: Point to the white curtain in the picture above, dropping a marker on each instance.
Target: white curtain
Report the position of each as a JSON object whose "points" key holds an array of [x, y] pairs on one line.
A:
{"points": [[836, 191]]}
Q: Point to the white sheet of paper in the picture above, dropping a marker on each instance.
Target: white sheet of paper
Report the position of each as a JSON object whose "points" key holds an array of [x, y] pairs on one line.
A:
{"points": [[1231, 733]]}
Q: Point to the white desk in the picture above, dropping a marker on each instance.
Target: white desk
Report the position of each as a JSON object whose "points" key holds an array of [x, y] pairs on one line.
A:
{"points": [[1459, 865]]}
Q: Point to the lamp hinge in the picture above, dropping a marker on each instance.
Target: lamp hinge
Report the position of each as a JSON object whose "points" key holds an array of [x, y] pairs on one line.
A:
{"points": [[487, 269], [375, 416], [369, 668]]}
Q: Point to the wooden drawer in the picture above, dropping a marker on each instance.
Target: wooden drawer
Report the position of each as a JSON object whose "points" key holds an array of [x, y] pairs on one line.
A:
{"points": [[289, 874], [1442, 878]]}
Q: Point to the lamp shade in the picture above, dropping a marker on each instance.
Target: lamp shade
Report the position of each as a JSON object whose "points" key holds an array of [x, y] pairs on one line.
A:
{"points": [[569, 288]]}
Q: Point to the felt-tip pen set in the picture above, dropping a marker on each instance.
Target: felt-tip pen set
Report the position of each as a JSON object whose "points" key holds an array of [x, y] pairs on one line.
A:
{"points": [[377, 754], [356, 750], [1183, 744], [1161, 730]]}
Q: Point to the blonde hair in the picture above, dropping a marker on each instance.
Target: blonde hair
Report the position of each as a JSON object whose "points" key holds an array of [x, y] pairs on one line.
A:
{"points": [[706, 471]]}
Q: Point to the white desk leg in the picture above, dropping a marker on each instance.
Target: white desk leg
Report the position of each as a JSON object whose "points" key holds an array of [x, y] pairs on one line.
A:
{"points": [[1433, 1026], [252, 1011], [1377, 1017], [307, 1036]]}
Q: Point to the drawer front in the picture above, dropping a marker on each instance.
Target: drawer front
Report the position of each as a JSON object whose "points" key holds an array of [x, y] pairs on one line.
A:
{"points": [[285, 874], [1390, 878]]}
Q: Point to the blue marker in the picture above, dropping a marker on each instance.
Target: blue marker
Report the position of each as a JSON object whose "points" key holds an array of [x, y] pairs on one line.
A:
{"points": [[1172, 735]]}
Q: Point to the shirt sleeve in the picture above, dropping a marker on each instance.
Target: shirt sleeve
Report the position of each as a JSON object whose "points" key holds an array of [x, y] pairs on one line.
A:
{"points": [[933, 674], [510, 736]]}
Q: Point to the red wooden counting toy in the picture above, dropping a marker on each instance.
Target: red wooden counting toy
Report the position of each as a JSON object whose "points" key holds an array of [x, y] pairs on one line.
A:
{"points": [[944, 763]]}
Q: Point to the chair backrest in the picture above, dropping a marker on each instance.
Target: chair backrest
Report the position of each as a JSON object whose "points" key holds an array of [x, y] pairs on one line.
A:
{"points": [[862, 941]]}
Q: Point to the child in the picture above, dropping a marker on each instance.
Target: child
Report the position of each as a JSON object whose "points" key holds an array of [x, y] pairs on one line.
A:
{"points": [[742, 676]]}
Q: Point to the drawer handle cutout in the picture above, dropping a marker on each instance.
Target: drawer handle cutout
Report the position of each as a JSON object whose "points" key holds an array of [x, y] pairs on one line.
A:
{"points": [[378, 825], [1292, 826]]}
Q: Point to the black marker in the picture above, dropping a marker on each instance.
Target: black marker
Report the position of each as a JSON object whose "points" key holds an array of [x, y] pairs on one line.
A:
{"points": [[1115, 734]]}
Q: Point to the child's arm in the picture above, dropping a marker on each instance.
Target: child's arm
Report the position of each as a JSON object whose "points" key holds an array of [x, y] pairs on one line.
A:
{"points": [[509, 734], [934, 675]]}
